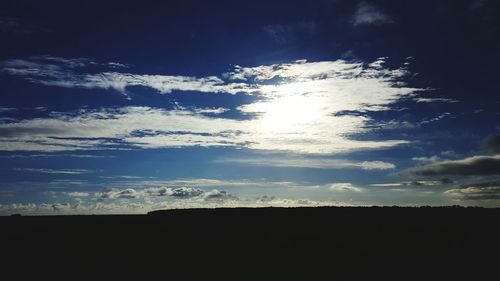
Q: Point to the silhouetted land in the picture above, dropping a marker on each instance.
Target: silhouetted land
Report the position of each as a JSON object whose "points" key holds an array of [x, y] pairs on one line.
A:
{"points": [[252, 243]]}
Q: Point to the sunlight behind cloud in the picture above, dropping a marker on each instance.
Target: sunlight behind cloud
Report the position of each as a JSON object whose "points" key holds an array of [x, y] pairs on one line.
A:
{"points": [[302, 107]]}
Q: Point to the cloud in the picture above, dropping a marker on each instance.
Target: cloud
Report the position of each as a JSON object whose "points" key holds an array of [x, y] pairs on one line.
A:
{"points": [[54, 171], [368, 14], [7, 109], [397, 125], [130, 207], [492, 144], [16, 25], [437, 118], [178, 193], [343, 186], [301, 107], [316, 163], [218, 195], [424, 159], [431, 100], [128, 193], [433, 183], [376, 165], [64, 62], [55, 155], [471, 166], [286, 33], [61, 206], [77, 194], [158, 191], [437, 158], [139, 197], [164, 187], [479, 191], [60, 72], [183, 192], [218, 110]]}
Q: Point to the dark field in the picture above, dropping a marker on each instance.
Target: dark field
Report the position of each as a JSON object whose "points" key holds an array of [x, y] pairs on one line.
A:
{"points": [[258, 243]]}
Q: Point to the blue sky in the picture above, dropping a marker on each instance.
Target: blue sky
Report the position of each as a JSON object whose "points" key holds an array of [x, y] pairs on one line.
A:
{"points": [[120, 107]]}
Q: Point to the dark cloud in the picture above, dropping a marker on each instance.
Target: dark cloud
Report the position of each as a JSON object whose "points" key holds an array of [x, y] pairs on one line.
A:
{"points": [[446, 181], [60, 206], [476, 165], [479, 191], [492, 144], [219, 195]]}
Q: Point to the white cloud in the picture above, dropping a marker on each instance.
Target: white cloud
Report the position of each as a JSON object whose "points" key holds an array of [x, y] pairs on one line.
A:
{"points": [[301, 111], [368, 14], [151, 185], [343, 186], [376, 165], [390, 184], [218, 110], [7, 109], [217, 199], [158, 191], [437, 118], [431, 100], [317, 163], [127, 193], [183, 192], [77, 194], [179, 193], [141, 200], [424, 159]]}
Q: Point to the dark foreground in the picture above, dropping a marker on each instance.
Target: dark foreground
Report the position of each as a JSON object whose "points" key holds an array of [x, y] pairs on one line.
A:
{"points": [[259, 244]]}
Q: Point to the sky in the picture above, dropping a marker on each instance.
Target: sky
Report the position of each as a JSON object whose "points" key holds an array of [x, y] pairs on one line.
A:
{"points": [[124, 107]]}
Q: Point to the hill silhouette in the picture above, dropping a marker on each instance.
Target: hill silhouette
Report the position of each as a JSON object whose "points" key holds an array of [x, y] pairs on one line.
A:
{"points": [[255, 243]]}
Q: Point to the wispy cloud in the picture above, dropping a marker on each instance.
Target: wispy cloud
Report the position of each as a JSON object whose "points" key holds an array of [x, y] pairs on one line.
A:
{"points": [[368, 14], [437, 118], [78, 194], [426, 183], [17, 25], [62, 72], [425, 159], [287, 33], [54, 171], [317, 163], [431, 100], [301, 108], [55, 155]]}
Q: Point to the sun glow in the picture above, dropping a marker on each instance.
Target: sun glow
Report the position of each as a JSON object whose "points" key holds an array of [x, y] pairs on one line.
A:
{"points": [[289, 109], [294, 114]]}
